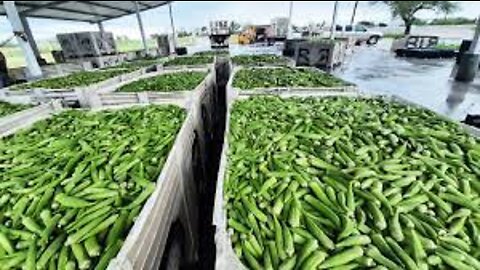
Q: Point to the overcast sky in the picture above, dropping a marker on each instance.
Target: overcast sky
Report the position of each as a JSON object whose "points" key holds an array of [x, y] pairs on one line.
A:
{"points": [[189, 15]]}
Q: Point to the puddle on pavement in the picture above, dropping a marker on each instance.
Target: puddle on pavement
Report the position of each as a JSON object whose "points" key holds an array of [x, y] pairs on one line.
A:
{"points": [[375, 69], [424, 81]]}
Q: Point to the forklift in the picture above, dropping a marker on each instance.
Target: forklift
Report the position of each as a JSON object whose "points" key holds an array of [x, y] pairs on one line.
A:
{"points": [[257, 34]]}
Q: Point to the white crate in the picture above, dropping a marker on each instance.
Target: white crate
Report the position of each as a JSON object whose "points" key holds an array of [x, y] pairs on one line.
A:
{"points": [[107, 96], [60, 69], [86, 44], [98, 61], [225, 255], [289, 62], [279, 90], [12, 123], [48, 71], [220, 27], [180, 67], [80, 94], [203, 95], [173, 200]]}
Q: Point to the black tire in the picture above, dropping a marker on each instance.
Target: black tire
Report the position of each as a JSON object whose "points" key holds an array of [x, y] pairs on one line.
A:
{"points": [[373, 40]]}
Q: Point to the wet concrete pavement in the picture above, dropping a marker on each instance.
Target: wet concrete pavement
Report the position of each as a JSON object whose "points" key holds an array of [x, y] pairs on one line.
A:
{"points": [[375, 69], [423, 81]]}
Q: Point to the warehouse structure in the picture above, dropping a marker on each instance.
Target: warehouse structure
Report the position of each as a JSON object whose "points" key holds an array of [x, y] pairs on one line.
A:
{"points": [[97, 12]]}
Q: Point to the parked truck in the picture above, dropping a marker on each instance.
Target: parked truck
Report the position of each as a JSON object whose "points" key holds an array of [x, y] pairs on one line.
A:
{"points": [[220, 33], [360, 33]]}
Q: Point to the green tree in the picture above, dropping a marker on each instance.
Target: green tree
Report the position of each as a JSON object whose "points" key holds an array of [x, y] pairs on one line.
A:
{"points": [[419, 21], [452, 21], [406, 10]]}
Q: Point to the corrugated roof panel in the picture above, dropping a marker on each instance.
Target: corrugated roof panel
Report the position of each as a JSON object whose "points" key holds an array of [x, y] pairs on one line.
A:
{"points": [[126, 5], [88, 8], [91, 11], [39, 3], [54, 13]]}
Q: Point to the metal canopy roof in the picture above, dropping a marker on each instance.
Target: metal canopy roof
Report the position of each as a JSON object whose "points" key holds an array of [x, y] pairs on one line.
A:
{"points": [[83, 11]]}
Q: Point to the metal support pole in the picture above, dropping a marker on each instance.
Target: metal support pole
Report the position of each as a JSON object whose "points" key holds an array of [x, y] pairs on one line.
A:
{"points": [[475, 46], [102, 33], [469, 61], [100, 28], [354, 13], [31, 40], [33, 68], [174, 35], [140, 25], [289, 29], [334, 21]]}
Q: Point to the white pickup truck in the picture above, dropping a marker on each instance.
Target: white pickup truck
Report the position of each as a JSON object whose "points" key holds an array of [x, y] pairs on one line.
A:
{"points": [[359, 32]]}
